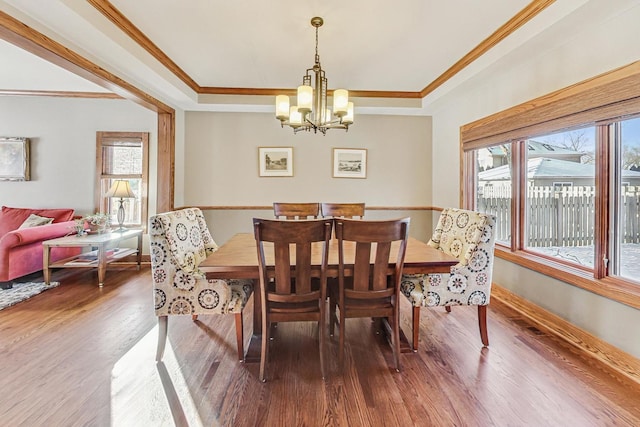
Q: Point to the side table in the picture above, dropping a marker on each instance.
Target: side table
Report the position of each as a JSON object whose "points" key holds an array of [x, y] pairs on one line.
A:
{"points": [[99, 242]]}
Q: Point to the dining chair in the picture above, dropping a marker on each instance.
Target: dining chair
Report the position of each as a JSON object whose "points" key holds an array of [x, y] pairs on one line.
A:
{"points": [[179, 242], [470, 237], [291, 292], [342, 210], [371, 286], [296, 210]]}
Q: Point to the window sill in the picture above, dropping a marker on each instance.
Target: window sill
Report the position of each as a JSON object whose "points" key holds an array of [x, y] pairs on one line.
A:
{"points": [[617, 289]]}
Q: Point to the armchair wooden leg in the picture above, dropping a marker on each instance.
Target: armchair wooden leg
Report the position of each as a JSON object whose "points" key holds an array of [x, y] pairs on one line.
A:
{"points": [[194, 317], [416, 327], [240, 336], [482, 322], [448, 308], [163, 323]]}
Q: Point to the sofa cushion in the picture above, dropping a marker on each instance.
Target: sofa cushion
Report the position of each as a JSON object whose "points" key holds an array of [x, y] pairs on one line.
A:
{"points": [[12, 218], [35, 220]]}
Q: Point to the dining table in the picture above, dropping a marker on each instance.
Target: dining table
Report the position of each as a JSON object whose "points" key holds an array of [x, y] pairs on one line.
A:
{"points": [[238, 259]]}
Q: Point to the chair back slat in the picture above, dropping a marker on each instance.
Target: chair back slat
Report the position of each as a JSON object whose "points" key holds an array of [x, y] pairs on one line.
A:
{"points": [[373, 243], [293, 211], [292, 274], [342, 210]]}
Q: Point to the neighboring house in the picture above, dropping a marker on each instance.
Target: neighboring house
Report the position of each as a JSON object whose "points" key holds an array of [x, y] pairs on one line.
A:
{"points": [[497, 156], [544, 172]]}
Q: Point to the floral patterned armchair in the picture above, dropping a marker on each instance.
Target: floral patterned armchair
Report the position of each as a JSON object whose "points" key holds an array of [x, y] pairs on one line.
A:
{"points": [[470, 237], [179, 242]]}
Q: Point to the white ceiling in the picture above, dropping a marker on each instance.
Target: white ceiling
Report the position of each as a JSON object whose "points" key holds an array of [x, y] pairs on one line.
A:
{"points": [[364, 44]]}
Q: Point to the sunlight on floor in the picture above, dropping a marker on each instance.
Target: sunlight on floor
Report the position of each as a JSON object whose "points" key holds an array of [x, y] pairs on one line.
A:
{"points": [[143, 393]]}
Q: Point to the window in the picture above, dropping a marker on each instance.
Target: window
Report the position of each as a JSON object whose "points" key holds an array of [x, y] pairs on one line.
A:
{"points": [[625, 243], [123, 155], [568, 164]]}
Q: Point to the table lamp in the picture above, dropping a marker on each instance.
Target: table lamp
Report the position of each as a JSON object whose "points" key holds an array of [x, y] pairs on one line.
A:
{"points": [[120, 189]]}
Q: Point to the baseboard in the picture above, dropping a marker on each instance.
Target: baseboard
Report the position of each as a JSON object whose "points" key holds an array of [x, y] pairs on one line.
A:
{"points": [[612, 357]]}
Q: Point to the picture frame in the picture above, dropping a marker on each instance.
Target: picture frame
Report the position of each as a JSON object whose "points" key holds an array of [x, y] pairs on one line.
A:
{"points": [[275, 161], [14, 159], [349, 162]]}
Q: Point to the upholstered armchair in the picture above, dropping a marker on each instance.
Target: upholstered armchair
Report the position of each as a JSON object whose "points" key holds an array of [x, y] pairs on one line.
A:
{"points": [[179, 242], [470, 237]]}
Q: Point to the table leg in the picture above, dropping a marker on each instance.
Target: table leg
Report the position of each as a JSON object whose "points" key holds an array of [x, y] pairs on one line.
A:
{"points": [[102, 265], [46, 252], [255, 343]]}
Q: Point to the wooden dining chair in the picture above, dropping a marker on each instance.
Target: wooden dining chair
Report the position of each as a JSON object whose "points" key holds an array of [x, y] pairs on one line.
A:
{"points": [[371, 286], [296, 210], [342, 210], [291, 292]]}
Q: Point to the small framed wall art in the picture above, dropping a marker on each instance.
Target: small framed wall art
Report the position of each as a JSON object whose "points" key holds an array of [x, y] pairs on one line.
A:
{"points": [[349, 163], [14, 159], [275, 161]]}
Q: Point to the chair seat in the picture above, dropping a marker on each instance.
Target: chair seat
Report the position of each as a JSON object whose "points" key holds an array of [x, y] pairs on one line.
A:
{"points": [[207, 297]]}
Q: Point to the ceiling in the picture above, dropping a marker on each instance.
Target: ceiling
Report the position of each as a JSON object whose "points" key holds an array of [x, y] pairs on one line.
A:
{"points": [[197, 47]]}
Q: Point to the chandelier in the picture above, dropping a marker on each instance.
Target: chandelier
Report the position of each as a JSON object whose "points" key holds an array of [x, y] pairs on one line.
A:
{"points": [[312, 112]]}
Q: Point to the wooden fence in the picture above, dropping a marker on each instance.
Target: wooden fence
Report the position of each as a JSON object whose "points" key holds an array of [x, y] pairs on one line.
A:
{"points": [[560, 216]]}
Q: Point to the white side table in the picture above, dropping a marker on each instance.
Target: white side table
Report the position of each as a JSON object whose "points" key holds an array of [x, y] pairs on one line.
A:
{"points": [[100, 242]]}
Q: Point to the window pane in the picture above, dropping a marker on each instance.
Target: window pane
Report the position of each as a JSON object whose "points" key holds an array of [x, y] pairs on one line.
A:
{"points": [[627, 244], [560, 205], [493, 194], [121, 160]]}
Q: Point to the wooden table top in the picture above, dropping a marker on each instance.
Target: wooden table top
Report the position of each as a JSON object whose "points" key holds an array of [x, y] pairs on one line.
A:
{"points": [[238, 259]]}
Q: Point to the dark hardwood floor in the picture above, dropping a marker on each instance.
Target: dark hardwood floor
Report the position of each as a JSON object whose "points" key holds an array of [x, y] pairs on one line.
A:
{"points": [[78, 355]]}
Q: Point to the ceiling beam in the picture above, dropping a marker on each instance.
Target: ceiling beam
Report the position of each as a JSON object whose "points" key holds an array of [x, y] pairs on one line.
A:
{"points": [[27, 38]]}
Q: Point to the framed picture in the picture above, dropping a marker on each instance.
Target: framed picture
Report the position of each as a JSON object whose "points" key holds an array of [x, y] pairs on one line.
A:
{"points": [[14, 159], [275, 161], [349, 163]]}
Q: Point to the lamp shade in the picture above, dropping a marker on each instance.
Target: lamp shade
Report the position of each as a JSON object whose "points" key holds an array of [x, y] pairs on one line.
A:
{"points": [[348, 118], [305, 98], [282, 107], [340, 101], [120, 189]]}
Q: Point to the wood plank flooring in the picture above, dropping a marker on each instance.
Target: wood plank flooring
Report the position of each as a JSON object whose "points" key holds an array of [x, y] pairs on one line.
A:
{"points": [[79, 355]]}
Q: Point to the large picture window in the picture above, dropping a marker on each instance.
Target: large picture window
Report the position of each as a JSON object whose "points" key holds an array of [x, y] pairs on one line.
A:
{"points": [[562, 175], [123, 155]]}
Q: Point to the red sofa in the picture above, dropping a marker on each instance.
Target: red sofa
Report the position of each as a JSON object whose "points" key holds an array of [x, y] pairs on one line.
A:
{"points": [[21, 249]]}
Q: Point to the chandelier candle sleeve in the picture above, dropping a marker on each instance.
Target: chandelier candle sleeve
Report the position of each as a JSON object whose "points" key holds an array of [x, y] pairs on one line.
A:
{"points": [[312, 112]]}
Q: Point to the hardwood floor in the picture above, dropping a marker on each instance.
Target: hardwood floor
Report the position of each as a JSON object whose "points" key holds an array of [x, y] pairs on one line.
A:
{"points": [[78, 355]]}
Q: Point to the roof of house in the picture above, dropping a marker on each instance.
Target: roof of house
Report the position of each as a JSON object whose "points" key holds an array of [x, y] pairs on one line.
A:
{"points": [[542, 167], [537, 149]]}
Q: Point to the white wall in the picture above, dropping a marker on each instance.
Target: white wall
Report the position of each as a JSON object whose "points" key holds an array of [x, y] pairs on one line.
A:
{"points": [[63, 147], [599, 37]]}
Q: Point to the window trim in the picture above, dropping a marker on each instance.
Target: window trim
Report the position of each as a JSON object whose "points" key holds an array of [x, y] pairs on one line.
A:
{"points": [[102, 138], [597, 101]]}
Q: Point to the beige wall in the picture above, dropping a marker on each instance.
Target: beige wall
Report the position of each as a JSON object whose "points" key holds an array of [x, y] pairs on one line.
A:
{"points": [[221, 166], [559, 57], [63, 147]]}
